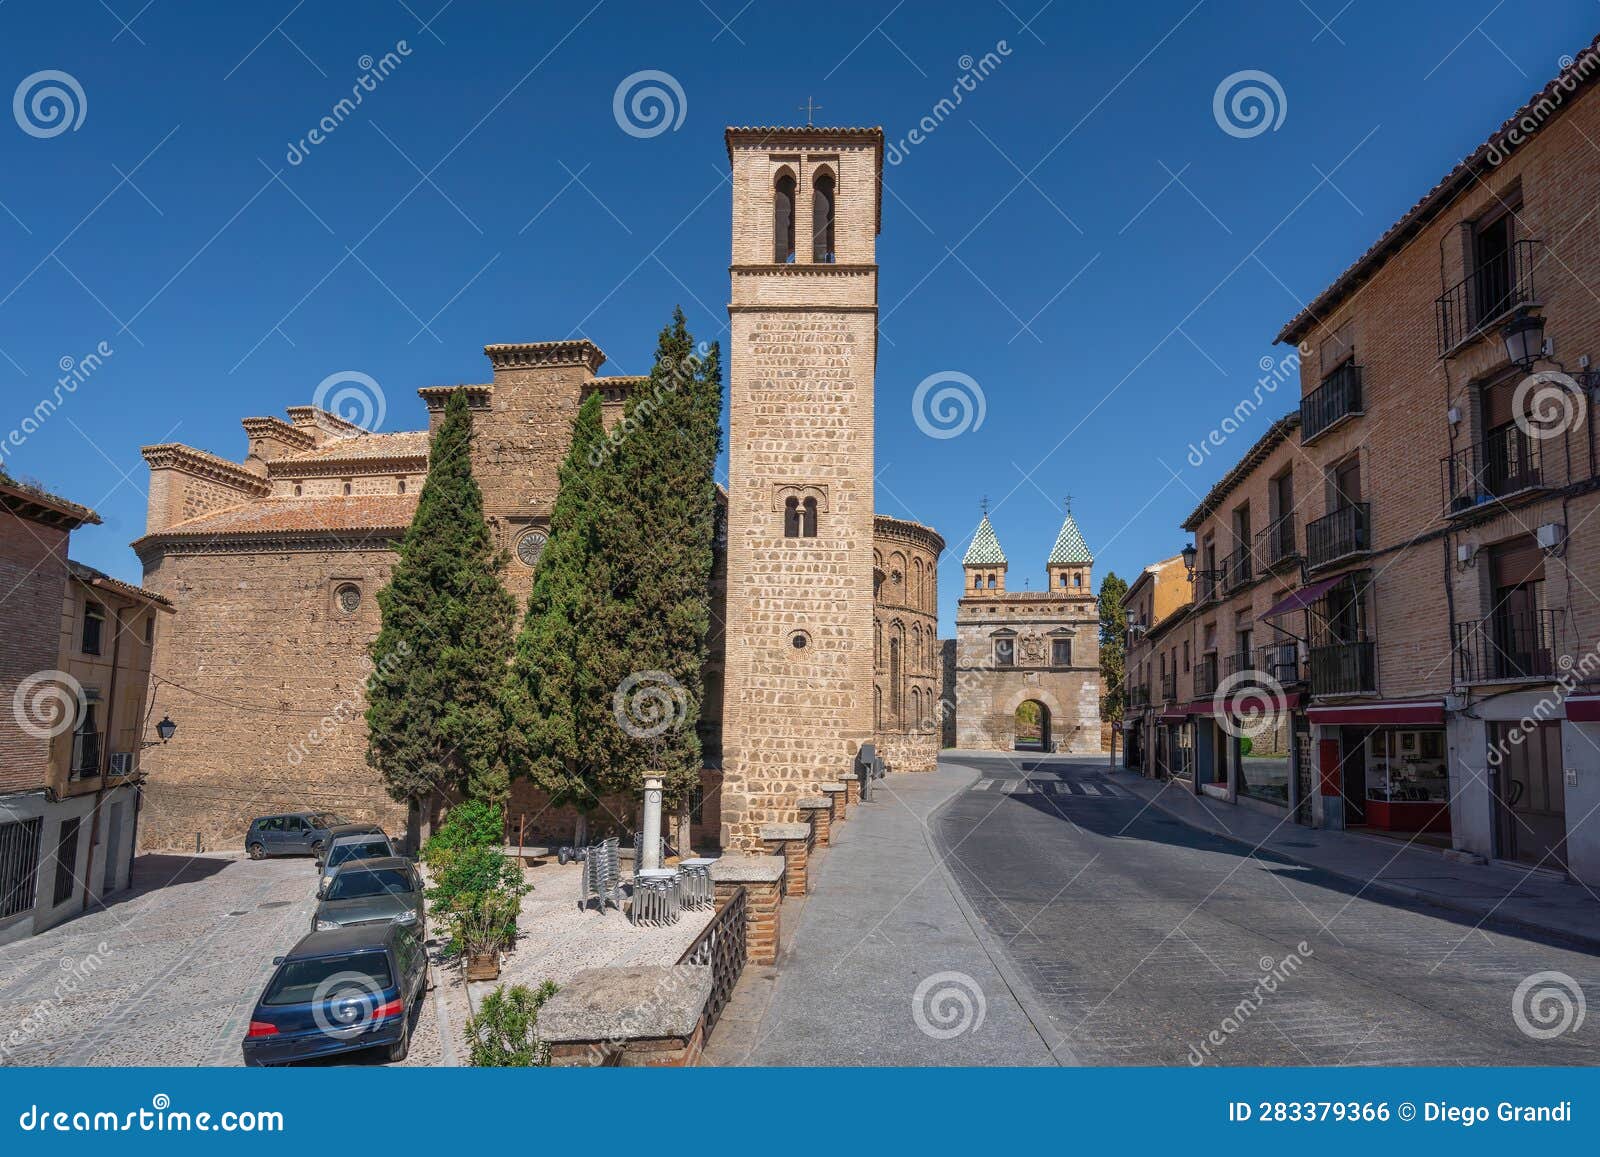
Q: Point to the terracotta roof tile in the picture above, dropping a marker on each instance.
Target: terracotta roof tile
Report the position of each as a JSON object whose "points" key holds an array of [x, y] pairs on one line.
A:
{"points": [[357, 512]]}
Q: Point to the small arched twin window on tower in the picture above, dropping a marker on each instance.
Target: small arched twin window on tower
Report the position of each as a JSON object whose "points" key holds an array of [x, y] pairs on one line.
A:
{"points": [[785, 208], [799, 517]]}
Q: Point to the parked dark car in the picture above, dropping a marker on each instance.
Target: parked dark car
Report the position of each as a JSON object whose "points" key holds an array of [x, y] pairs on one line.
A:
{"points": [[342, 830], [365, 891], [339, 992], [290, 834], [347, 848]]}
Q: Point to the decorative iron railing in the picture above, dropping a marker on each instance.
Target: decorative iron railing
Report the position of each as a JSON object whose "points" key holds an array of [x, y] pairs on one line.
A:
{"points": [[721, 945], [1345, 531], [1275, 546], [1489, 292], [1281, 663], [1339, 396], [1237, 569], [1507, 461], [1508, 645], [1205, 676], [1344, 669], [1169, 687]]}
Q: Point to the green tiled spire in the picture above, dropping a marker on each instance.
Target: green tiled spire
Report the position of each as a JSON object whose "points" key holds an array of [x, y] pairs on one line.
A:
{"points": [[1070, 548], [985, 549]]}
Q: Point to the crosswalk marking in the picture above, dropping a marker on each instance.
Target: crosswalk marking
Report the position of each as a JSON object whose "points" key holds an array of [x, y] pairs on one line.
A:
{"points": [[1028, 787]]}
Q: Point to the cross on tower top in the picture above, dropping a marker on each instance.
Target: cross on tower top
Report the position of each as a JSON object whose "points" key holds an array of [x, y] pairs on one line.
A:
{"points": [[809, 108], [984, 503], [1069, 504]]}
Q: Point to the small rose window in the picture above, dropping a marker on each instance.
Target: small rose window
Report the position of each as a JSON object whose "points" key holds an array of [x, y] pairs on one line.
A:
{"points": [[348, 596]]}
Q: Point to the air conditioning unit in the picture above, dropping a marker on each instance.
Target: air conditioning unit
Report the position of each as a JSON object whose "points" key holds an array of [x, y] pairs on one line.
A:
{"points": [[122, 763], [1550, 535]]}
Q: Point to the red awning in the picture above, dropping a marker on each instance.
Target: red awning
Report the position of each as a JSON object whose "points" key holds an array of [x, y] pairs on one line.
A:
{"points": [[1279, 703], [1173, 717], [1396, 712], [1304, 597], [1583, 708]]}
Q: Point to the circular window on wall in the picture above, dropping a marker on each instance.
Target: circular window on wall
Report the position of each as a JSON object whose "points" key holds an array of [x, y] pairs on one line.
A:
{"points": [[799, 640], [348, 596], [530, 545]]}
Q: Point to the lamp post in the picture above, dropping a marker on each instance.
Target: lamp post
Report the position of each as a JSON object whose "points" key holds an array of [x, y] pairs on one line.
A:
{"points": [[164, 729], [1188, 559]]}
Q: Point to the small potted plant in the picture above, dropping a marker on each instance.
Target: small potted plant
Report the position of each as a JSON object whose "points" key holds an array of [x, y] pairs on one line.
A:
{"points": [[483, 930]]}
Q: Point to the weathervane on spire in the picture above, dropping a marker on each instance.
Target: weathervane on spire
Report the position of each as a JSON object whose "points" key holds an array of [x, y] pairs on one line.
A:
{"points": [[809, 108], [1069, 504], [984, 503]]}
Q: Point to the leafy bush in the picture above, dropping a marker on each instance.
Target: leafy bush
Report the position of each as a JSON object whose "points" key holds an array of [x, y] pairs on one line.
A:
{"points": [[486, 926], [505, 1031], [476, 889]]}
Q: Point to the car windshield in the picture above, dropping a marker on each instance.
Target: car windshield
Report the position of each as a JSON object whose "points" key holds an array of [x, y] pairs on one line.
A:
{"points": [[329, 977], [365, 851], [358, 885]]}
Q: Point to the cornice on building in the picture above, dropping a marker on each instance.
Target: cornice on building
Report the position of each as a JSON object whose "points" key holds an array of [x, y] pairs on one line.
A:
{"points": [[535, 355], [188, 460]]}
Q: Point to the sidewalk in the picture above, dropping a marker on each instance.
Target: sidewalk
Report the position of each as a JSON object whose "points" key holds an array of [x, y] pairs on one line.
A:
{"points": [[1530, 901], [881, 920]]}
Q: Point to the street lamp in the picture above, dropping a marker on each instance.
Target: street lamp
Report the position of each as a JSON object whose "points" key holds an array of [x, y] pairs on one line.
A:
{"points": [[1524, 338], [1188, 559], [164, 729]]}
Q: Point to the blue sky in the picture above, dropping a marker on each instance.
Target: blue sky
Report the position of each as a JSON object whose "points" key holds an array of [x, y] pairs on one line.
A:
{"points": [[1080, 237]]}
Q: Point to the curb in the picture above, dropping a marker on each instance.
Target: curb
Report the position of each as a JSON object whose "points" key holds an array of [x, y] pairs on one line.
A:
{"points": [[1032, 1008], [1584, 940]]}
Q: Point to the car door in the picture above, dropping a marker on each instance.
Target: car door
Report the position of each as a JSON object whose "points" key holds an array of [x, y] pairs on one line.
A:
{"points": [[271, 835]]}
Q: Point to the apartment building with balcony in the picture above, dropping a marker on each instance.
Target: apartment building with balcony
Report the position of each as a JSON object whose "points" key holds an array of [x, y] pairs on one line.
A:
{"points": [[1449, 604], [74, 668], [1156, 603], [1245, 703]]}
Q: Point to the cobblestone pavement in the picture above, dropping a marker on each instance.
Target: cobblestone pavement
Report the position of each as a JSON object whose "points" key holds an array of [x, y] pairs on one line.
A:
{"points": [[1144, 941], [169, 972]]}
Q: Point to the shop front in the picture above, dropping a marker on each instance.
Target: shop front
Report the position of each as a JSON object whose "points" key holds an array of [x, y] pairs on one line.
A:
{"points": [[1392, 770]]}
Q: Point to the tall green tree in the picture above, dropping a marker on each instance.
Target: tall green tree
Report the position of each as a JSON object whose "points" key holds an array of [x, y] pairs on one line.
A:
{"points": [[1113, 636], [433, 717], [656, 539], [550, 679]]}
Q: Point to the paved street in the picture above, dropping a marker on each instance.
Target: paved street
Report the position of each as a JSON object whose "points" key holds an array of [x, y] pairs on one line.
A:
{"points": [[168, 974], [1137, 937]]}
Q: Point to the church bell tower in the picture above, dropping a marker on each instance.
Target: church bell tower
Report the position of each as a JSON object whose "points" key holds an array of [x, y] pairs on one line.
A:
{"points": [[803, 344]]}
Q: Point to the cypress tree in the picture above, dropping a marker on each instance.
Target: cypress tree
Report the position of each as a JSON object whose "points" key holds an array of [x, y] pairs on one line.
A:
{"points": [[549, 680], [433, 722], [1113, 632], [648, 650]]}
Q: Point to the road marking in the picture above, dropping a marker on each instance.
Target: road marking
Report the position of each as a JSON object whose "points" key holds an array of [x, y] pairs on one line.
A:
{"points": [[984, 784]]}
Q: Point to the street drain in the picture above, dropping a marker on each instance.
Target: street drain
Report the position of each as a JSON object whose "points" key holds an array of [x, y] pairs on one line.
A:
{"points": [[275, 904]]}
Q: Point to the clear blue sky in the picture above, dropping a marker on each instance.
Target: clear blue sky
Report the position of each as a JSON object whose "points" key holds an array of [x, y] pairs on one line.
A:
{"points": [[1112, 307]]}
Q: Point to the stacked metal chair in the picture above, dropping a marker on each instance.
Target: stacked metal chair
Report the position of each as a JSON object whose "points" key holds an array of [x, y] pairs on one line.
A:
{"points": [[655, 896], [694, 884], [602, 875]]}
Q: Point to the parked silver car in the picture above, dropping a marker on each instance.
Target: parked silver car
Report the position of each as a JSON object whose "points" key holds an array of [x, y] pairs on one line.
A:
{"points": [[369, 891], [347, 848]]}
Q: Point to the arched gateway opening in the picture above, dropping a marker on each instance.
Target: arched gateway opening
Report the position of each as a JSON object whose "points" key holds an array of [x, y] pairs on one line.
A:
{"points": [[1031, 726]]}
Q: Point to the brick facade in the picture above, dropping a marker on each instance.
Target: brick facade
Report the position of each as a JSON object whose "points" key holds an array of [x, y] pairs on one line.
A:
{"points": [[905, 643]]}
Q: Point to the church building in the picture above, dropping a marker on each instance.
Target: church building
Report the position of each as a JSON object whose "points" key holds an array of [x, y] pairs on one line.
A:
{"points": [[273, 563]]}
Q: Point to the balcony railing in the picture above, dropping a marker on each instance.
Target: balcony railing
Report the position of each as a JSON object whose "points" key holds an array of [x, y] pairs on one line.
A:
{"points": [[1275, 546], [1508, 645], [1503, 463], [1205, 676], [1138, 697], [1489, 292], [1242, 663], [1207, 585], [1281, 663], [1344, 669], [1169, 687], [1339, 396], [1237, 569], [1346, 531]]}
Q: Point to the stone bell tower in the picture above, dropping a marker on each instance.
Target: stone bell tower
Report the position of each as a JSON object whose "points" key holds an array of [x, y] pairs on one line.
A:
{"points": [[803, 321]]}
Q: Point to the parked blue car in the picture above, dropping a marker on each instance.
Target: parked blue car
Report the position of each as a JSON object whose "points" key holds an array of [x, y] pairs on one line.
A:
{"points": [[341, 991]]}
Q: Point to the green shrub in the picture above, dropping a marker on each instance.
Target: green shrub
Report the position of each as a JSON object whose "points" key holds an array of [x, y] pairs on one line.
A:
{"points": [[505, 1031], [469, 873]]}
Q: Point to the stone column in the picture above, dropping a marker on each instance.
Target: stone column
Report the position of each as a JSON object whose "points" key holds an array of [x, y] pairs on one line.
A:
{"points": [[650, 855]]}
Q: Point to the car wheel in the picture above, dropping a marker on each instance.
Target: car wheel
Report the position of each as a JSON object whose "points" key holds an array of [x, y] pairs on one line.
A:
{"points": [[316, 850], [427, 979], [257, 852], [398, 1050]]}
